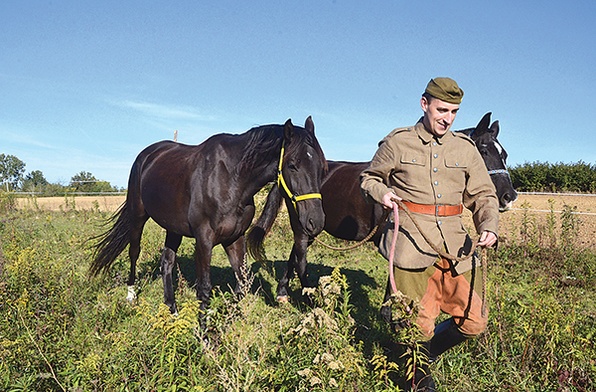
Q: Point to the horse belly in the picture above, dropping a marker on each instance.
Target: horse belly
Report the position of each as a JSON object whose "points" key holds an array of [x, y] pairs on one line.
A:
{"points": [[166, 200]]}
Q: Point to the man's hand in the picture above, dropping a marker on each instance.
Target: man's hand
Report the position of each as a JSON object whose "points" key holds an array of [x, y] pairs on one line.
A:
{"points": [[487, 239], [388, 200]]}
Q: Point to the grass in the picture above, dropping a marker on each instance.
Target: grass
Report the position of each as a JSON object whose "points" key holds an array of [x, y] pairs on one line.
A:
{"points": [[61, 330]]}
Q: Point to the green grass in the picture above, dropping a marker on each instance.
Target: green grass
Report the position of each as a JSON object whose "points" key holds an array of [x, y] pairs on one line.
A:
{"points": [[61, 330]]}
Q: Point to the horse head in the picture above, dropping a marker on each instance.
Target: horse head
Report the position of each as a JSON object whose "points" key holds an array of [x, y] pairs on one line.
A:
{"points": [[301, 170], [495, 158]]}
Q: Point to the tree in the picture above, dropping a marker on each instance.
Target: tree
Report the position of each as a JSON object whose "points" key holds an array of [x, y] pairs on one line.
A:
{"points": [[86, 182], [11, 171], [34, 182], [83, 182]]}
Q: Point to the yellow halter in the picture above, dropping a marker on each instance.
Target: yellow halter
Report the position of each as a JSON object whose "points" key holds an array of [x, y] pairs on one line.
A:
{"points": [[282, 183]]}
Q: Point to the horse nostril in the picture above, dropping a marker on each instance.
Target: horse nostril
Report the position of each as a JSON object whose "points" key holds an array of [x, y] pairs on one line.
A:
{"points": [[311, 225]]}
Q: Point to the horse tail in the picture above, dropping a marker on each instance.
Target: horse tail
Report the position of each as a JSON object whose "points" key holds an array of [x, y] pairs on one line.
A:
{"points": [[112, 242], [256, 234]]}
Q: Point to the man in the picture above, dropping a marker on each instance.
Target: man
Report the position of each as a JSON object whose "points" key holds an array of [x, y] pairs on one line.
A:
{"points": [[435, 172]]}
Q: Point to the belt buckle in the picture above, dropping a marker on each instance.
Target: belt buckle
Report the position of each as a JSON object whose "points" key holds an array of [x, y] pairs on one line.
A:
{"points": [[437, 209]]}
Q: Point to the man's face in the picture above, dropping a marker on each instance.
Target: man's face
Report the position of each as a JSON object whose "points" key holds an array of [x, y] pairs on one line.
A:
{"points": [[438, 115]]}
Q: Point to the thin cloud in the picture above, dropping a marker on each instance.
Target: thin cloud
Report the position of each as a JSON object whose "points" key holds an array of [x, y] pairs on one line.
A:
{"points": [[162, 111], [24, 139]]}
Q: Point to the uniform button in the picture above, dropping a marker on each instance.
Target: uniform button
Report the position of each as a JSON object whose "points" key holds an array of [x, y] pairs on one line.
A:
{"points": [[435, 169], [414, 160], [439, 195], [456, 163], [436, 182], [436, 155], [434, 143], [440, 222]]}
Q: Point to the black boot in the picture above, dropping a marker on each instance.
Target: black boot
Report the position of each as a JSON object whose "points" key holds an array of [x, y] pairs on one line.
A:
{"points": [[422, 380], [447, 335]]}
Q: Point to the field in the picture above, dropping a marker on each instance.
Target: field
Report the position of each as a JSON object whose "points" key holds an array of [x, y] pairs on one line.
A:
{"points": [[538, 206], [61, 330]]}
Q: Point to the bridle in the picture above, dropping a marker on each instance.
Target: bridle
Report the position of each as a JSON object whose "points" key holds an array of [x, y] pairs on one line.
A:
{"points": [[282, 184], [498, 171]]}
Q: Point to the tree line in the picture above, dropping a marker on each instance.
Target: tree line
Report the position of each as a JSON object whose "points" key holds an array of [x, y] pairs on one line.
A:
{"points": [[577, 177], [14, 179], [528, 177]]}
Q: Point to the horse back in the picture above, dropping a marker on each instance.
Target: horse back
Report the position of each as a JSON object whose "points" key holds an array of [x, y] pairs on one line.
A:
{"points": [[347, 214]]}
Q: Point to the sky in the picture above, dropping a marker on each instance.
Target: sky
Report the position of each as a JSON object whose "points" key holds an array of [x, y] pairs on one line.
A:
{"points": [[85, 86]]}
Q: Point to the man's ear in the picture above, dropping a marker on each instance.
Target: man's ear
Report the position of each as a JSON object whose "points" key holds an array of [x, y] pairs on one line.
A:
{"points": [[424, 103]]}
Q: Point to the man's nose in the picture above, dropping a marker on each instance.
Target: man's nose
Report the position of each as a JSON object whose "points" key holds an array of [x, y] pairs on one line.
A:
{"points": [[449, 118]]}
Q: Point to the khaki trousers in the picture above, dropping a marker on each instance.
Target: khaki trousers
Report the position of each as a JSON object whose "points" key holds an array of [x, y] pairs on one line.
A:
{"points": [[439, 288]]}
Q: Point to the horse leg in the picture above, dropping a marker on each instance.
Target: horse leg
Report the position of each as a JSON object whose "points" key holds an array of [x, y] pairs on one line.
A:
{"points": [[283, 289], [203, 286], [236, 252], [167, 261], [134, 250], [296, 262], [301, 263]]}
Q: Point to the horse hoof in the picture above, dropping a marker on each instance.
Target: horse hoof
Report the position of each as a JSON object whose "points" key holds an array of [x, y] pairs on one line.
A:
{"points": [[131, 296], [283, 299]]}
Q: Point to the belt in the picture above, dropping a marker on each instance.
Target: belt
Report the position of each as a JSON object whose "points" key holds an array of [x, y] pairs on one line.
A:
{"points": [[434, 209]]}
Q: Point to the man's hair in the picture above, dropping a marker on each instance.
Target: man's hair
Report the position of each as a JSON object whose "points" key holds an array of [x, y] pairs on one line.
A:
{"points": [[428, 96]]}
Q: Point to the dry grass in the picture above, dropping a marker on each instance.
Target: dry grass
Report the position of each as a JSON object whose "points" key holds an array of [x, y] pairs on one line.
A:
{"points": [[537, 206], [102, 203]]}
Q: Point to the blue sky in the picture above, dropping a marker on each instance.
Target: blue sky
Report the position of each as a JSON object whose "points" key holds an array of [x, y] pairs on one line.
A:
{"points": [[85, 86]]}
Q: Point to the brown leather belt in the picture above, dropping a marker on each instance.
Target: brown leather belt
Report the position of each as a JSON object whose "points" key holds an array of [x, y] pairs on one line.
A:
{"points": [[434, 209]]}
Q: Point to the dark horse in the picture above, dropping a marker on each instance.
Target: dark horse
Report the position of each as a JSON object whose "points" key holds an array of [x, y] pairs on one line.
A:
{"points": [[348, 216], [206, 192]]}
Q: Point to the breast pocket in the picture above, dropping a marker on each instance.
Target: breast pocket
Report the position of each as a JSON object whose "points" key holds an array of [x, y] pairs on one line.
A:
{"points": [[413, 167], [456, 168]]}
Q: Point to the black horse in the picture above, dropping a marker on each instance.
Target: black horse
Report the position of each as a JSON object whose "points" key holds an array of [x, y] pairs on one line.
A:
{"points": [[348, 216], [206, 192]]}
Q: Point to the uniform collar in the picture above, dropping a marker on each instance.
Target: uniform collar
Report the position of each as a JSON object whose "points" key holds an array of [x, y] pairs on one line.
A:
{"points": [[426, 136]]}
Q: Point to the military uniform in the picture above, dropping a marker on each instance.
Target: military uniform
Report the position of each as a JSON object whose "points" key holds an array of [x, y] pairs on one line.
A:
{"points": [[424, 169], [435, 172]]}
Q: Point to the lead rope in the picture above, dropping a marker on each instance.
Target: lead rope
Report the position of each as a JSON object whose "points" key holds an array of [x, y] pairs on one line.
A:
{"points": [[440, 252], [392, 251], [357, 244]]}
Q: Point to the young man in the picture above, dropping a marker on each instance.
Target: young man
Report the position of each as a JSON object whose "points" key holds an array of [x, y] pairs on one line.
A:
{"points": [[435, 172]]}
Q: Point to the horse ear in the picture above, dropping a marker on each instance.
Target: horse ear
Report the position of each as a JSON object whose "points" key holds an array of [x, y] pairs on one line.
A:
{"points": [[484, 123], [494, 128], [288, 130], [309, 125]]}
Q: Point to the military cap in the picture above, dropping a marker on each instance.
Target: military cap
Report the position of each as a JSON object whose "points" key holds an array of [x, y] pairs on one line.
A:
{"points": [[445, 89]]}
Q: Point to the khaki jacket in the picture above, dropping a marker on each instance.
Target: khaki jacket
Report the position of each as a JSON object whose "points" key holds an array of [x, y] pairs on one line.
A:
{"points": [[422, 168]]}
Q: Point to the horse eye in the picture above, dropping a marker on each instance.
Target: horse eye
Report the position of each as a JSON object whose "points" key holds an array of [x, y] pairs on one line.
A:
{"points": [[292, 166]]}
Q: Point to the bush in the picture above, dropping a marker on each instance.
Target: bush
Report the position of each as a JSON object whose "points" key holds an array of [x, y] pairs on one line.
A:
{"points": [[558, 177]]}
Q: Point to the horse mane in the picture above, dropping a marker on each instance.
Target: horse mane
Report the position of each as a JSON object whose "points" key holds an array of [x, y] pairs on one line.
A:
{"points": [[263, 144], [265, 140], [467, 131]]}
